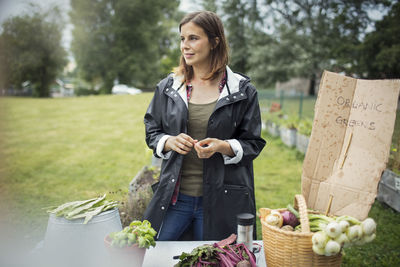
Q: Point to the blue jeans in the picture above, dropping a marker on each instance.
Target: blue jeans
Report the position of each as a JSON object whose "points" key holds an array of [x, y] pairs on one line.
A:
{"points": [[178, 218]]}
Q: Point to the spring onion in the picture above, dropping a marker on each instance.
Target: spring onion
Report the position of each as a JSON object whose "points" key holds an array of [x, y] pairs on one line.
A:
{"points": [[333, 229], [331, 234], [319, 239], [354, 233], [369, 238], [368, 226], [318, 250], [344, 225], [331, 248], [342, 240]]}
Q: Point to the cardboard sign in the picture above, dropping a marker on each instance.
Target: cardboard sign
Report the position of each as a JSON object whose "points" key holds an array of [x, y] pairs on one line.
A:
{"points": [[349, 144]]}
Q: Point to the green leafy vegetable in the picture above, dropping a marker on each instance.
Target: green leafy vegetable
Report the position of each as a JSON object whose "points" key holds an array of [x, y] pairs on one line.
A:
{"points": [[137, 232]]}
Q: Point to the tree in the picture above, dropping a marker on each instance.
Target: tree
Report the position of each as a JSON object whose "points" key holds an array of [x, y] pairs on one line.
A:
{"points": [[274, 59], [124, 40], [143, 34], [313, 35], [31, 50], [380, 51], [93, 40], [209, 5], [240, 19]]}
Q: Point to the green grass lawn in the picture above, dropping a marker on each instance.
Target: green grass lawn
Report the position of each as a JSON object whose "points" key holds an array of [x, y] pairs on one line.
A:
{"points": [[59, 150]]}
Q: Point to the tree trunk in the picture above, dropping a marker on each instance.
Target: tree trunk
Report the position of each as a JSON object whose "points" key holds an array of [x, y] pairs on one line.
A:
{"points": [[43, 85], [107, 85], [311, 89]]}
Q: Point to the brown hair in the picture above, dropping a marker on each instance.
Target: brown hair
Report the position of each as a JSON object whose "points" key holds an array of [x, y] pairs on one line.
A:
{"points": [[212, 26]]}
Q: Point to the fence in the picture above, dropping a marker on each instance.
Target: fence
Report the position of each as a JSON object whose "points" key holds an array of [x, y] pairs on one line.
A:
{"points": [[290, 103]]}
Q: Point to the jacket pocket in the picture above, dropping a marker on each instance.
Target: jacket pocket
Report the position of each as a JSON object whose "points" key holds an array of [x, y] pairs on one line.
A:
{"points": [[155, 186], [236, 200]]}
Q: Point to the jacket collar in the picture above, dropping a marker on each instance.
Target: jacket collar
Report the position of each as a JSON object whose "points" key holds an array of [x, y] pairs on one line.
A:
{"points": [[231, 87]]}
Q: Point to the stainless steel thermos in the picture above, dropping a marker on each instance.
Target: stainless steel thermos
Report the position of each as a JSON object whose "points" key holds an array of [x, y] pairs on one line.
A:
{"points": [[245, 222]]}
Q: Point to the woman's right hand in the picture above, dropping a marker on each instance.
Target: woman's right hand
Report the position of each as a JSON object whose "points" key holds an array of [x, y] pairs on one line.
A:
{"points": [[181, 143]]}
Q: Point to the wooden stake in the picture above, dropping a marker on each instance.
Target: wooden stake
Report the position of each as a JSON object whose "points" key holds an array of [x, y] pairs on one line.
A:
{"points": [[346, 149], [329, 205]]}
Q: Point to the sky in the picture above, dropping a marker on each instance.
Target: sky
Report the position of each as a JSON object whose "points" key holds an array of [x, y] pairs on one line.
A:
{"points": [[15, 7]]}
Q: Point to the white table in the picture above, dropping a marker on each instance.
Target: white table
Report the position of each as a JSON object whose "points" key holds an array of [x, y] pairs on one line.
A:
{"points": [[162, 254]]}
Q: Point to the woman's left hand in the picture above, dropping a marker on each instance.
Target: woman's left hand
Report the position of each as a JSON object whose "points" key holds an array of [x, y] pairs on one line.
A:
{"points": [[207, 147]]}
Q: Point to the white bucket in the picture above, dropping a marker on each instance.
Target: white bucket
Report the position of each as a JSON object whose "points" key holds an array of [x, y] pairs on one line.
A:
{"points": [[72, 243]]}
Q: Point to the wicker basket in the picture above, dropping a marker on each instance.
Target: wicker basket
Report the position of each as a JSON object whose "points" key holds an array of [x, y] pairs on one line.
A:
{"points": [[285, 248]]}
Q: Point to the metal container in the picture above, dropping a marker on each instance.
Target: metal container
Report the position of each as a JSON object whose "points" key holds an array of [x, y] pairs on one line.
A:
{"points": [[245, 223], [389, 189], [273, 129], [288, 136], [72, 243], [302, 142]]}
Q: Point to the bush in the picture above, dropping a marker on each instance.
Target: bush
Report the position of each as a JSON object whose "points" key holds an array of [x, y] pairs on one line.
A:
{"points": [[290, 121], [394, 158], [305, 127], [275, 117], [135, 202]]}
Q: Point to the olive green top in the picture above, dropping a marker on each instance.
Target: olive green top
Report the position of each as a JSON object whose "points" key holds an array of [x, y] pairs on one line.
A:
{"points": [[192, 168]]}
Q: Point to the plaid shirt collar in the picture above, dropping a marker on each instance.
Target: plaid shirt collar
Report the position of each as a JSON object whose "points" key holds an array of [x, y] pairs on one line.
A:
{"points": [[189, 86]]}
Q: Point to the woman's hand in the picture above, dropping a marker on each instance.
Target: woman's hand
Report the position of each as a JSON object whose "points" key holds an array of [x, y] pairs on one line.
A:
{"points": [[207, 147], [181, 143]]}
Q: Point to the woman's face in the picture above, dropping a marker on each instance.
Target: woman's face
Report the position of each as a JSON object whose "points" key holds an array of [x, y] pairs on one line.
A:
{"points": [[195, 46]]}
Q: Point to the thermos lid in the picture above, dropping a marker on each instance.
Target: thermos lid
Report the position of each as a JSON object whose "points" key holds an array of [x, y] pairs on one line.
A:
{"points": [[245, 219]]}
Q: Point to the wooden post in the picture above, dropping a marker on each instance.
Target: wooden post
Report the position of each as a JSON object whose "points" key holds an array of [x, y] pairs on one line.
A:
{"points": [[329, 205]]}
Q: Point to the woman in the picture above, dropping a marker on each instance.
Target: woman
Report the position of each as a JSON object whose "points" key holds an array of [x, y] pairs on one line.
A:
{"points": [[204, 122]]}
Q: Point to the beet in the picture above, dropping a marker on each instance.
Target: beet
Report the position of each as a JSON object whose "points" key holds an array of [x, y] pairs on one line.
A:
{"points": [[243, 263], [289, 219]]}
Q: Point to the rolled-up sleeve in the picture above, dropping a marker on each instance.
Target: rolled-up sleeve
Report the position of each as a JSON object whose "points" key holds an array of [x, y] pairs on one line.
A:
{"points": [[237, 150], [160, 148]]}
